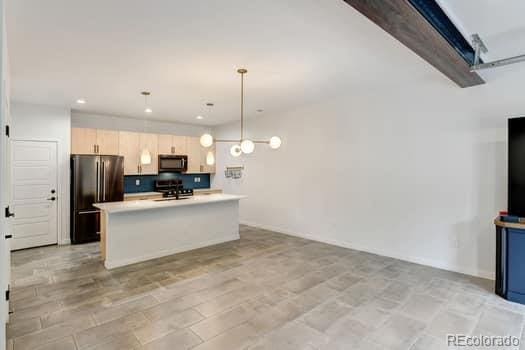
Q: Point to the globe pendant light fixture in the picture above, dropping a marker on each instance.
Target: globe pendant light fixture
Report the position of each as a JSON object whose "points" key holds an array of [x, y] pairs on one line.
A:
{"points": [[145, 155], [242, 145]]}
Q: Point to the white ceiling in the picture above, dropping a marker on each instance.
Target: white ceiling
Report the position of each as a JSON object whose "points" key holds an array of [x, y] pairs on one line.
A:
{"points": [[187, 52], [500, 24]]}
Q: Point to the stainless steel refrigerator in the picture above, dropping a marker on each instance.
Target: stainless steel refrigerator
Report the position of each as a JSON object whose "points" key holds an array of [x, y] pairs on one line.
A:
{"points": [[94, 179]]}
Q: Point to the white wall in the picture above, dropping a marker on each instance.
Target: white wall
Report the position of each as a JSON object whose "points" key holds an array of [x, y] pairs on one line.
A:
{"points": [[38, 122], [92, 120], [416, 172]]}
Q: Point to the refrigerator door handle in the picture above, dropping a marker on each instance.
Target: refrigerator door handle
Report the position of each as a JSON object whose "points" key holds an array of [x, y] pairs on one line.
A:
{"points": [[89, 212], [103, 181], [97, 186]]}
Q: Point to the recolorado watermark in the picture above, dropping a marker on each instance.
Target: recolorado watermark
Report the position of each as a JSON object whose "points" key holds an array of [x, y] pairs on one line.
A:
{"points": [[481, 341]]}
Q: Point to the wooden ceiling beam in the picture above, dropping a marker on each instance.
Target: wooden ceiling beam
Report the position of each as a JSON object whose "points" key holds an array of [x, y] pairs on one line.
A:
{"points": [[403, 21]]}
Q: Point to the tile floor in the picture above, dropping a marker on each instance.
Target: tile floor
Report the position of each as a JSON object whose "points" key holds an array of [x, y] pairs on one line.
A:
{"points": [[266, 291]]}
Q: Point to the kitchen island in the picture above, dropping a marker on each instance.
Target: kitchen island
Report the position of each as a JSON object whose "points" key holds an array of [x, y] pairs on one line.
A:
{"points": [[135, 231]]}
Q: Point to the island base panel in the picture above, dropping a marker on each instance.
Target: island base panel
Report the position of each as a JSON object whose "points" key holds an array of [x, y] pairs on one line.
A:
{"points": [[132, 237]]}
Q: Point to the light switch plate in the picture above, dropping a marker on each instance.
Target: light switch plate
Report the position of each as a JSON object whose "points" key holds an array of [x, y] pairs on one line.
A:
{"points": [[137, 182]]}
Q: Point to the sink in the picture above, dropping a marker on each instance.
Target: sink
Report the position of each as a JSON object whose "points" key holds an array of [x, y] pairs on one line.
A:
{"points": [[169, 199]]}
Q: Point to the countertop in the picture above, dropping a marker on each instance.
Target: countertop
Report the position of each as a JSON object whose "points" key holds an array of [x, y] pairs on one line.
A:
{"points": [[517, 225], [147, 204]]}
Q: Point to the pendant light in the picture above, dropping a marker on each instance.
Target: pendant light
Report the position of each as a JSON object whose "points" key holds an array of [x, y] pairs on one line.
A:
{"points": [[275, 142], [210, 158], [145, 155], [235, 150], [206, 140], [243, 145]]}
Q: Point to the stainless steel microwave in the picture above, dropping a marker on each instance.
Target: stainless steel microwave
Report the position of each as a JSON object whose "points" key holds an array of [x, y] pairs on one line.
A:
{"points": [[173, 163]]}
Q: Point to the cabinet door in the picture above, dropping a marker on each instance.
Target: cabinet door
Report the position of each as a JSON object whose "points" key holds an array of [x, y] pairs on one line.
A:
{"points": [[129, 145], [515, 261], [208, 168], [193, 150], [151, 142], [107, 141], [166, 144], [179, 142], [83, 140]]}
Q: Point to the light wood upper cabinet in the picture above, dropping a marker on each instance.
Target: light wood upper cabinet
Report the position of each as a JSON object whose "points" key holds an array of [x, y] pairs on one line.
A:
{"points": [[179, 142], [107, 142], [166, 144], [83, 141], [172, 144], [150, 142], [193, 150], [129, 145], [94, 141]]}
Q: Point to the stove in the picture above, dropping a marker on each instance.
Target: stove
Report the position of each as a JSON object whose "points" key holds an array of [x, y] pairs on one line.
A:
{"points": [[173, 189]]}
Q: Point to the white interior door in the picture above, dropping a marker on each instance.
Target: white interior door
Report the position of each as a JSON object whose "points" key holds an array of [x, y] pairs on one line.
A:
{"points": [[34, 193], [5, 225]]}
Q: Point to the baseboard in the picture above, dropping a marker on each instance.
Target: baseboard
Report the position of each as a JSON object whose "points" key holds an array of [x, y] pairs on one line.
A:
{"points": [[413, 259], [65, 242], [111, 264]]}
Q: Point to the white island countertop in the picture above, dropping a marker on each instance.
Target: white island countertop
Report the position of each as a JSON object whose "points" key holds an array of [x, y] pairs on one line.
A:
{"points": [[127, 206]]}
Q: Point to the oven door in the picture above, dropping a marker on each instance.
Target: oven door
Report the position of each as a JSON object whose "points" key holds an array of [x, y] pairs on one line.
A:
{"points": [[170, 163]]}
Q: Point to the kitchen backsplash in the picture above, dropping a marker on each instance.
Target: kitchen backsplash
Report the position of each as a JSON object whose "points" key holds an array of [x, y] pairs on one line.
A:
{"points": [[147, 182]]}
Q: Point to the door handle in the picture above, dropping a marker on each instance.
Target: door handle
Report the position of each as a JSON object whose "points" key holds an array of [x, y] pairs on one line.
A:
{"points": [[8, 213], [52, 199]]}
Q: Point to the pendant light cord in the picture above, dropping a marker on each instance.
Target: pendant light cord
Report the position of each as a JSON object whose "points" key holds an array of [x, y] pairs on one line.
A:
{"points": [[145, 106], [242, 106]]}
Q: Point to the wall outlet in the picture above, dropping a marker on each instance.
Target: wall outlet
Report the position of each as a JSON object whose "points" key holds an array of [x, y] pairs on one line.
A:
{"points": [[197, 179], [137, 182]]}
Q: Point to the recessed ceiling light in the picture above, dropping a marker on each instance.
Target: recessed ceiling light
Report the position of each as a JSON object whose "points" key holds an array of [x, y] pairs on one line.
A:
{"points": [[200, 117], [81, 101], [148, 110]]}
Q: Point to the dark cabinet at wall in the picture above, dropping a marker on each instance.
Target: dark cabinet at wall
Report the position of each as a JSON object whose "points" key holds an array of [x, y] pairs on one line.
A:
{"points": [[510, 230], [516, 265], [516, 170], [510, 264]]}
